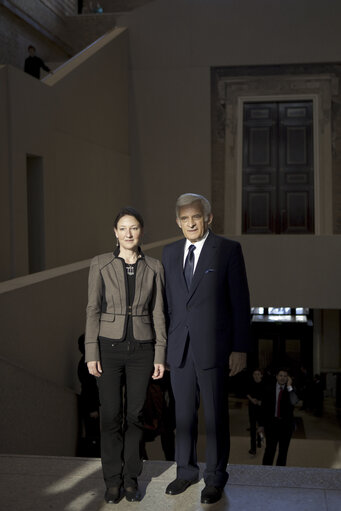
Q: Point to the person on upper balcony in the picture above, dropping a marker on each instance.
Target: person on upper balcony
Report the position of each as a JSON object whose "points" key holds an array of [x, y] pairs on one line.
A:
{"points": [[33, 64]]}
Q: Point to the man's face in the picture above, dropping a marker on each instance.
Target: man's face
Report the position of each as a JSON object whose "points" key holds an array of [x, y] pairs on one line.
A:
{"points": [[31, 52], [192, 222], [282, 378], [257, 376]]}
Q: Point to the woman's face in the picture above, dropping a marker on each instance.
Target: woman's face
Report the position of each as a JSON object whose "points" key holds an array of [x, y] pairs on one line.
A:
{"points": [[128, 232]]}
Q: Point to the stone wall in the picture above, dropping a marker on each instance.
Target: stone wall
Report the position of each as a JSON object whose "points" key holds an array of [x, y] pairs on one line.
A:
{"points": [[17, 33], [78, 127], [85, 29], [53, 27], [114, 5]]}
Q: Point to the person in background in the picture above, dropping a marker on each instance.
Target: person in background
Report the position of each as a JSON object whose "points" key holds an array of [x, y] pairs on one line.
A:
{"points": [[33, 64], [88, 408], [159, 416], [125, 343], [317, 395], [277, 418], [254, 396]]}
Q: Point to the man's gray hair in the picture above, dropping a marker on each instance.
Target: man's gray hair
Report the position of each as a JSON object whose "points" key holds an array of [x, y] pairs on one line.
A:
{"points": [[186, 199]]}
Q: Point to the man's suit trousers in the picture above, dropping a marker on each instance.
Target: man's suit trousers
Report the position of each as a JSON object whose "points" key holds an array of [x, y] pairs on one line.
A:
{"points": [[189, 383]]}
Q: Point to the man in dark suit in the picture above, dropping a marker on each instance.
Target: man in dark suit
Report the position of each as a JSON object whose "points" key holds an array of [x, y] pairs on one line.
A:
{"points": [[209, 319], [277, 420]]}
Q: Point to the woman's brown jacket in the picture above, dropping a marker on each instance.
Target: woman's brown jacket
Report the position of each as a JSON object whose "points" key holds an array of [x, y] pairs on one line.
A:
{"points": [[107, 310]]}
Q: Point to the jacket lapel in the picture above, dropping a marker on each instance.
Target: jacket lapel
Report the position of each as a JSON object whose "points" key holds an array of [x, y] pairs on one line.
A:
{"points": [[180, 267], [207, 253]]}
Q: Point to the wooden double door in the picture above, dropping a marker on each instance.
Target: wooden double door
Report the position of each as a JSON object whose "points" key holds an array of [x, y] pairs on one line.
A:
{"points": [[283, 345], [278, 168]]}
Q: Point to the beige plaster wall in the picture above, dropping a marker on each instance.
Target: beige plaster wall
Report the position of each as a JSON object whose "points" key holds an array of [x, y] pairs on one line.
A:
{"points": [[5, 225], [170, 142], [23, 23], [79, 126], [173, 45], [42, 316], [37, 417], [293, 271]]}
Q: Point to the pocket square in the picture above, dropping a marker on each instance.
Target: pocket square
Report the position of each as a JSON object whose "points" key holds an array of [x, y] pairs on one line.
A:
{"points": [[209, 269]]}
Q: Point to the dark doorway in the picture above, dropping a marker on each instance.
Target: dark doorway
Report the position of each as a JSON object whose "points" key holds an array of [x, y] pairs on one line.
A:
{"points": [[278, 168], [283, 337], [35, 213]]}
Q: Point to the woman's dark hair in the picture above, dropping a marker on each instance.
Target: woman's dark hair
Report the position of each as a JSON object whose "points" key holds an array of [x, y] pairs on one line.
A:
{"points": [[131, 212]]}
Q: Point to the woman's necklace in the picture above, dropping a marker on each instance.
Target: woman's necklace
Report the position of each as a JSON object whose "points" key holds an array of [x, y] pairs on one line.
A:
{"points": [[130, 269]]}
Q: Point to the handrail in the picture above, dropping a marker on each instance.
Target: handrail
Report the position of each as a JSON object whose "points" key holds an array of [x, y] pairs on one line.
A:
{"points": [[35, 278], [75, 61], [35, 375]]}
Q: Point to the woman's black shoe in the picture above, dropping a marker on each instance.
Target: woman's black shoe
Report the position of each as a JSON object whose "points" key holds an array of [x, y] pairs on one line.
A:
{"points": [[113, 495]]}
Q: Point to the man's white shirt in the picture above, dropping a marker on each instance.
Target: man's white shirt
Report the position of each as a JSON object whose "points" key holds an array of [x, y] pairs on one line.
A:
{"points": [[198, 248]]}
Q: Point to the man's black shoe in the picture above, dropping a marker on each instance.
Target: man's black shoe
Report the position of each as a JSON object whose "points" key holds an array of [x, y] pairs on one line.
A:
{"points": [[178, 486], [132, 494], [211, 494], [113, 495]]}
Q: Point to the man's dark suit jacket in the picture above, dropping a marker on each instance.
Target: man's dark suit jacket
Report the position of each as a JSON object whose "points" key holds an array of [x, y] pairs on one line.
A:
{"points": [[215, 311], [268, 407]]}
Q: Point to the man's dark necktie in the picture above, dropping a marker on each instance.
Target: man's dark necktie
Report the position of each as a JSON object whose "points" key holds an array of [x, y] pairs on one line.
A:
{"points": [[280, 394], [189, 265]]}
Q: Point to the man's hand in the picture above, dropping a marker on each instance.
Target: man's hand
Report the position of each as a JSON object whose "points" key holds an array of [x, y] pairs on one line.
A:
{"points": [[237, 362], [95, 368]]}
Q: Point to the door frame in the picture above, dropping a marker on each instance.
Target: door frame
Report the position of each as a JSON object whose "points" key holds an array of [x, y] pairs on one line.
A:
{"points": [[233, 92]]}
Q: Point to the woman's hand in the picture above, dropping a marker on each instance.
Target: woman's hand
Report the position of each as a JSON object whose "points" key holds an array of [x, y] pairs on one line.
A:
{"points": [[159, 369], [95, 368]]}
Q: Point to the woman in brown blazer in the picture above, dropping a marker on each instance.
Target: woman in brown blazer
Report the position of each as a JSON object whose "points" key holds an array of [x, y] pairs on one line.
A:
{"points": [[125, 343]]}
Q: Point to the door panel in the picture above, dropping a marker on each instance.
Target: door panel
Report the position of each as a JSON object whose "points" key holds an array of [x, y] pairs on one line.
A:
{"points": [[296, 178], [278, 179], [260, 167]]}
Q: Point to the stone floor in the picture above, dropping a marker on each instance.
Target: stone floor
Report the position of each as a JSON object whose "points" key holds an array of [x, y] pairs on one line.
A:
{"points": [[310, 482], [316, 443], [37, 483]]}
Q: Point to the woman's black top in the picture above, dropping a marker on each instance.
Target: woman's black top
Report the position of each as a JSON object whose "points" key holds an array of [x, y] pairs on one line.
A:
{"points": [[131, 280]]}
